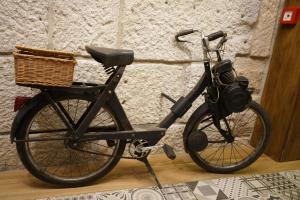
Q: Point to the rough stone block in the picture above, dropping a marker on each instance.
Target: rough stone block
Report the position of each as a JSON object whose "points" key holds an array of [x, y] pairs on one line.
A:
{"points": [[193, 74], [256, 97], [88, 70], [173, 138], [253, 69], [8, 92], [23, 22], [141, 86], [249, 10], [263, 32], [234, 17], [8, 154], [150, 27], [175, 89], [79, 23]]}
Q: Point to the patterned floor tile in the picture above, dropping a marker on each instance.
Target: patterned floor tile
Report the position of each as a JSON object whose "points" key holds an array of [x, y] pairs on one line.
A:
{"points": [[147, 193], [235, 188], [273, 186]]}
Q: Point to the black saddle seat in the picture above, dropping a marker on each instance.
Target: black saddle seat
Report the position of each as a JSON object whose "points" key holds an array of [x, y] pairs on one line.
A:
{"points": [[111, 57]]}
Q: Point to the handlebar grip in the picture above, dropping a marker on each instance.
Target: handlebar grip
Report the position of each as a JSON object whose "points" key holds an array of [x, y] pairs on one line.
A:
{"points": [[182, 33], [216, 35]]}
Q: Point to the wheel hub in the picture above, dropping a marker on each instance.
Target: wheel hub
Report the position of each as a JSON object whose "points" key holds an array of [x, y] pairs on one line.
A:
{"points": [[230, 138]]}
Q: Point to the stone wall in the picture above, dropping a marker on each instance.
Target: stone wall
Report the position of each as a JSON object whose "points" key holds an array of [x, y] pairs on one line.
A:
{"points": [[147, 27]]}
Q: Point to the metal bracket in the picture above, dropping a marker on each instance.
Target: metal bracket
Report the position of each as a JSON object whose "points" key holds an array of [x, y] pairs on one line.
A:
{"points": [[168, 97]]}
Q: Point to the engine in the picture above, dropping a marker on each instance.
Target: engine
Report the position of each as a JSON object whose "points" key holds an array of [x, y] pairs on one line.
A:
{"points": [[233, 90]]}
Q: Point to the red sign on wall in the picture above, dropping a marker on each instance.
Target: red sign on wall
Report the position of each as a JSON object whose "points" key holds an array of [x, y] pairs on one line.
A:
{"points": [[290, 15]]}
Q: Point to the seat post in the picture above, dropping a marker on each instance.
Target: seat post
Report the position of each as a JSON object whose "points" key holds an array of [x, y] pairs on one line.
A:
{"points": [[101, 99], [115, 75]]}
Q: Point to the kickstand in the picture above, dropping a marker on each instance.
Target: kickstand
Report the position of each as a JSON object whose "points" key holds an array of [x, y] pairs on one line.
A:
{"points": [[150, 169]]}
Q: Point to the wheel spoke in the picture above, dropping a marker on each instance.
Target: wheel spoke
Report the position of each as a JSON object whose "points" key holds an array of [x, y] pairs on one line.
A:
{"points": [[236, 154], [76, 110], [238, 146], [213, 153], [206, 126], [230, 154], [57, 158], [221, 153]]}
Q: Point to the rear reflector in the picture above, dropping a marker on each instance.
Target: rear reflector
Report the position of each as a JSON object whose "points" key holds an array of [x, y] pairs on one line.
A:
{"points": [[19, 102]]}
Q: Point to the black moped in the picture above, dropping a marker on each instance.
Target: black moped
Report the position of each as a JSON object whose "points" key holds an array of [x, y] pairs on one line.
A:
{"points": [[74, 135]]}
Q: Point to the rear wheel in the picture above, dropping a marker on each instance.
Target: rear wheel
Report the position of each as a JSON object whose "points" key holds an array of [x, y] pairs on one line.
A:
{"points": [[58, 160], [250, 129]]}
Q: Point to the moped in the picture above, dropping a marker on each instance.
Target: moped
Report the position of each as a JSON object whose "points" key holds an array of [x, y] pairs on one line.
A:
{"points": [[72, 136]]}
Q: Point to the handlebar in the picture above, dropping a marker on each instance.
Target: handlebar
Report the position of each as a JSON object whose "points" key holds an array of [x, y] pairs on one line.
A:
{"points": [[216, 35], [210, 37], [205, 41]]}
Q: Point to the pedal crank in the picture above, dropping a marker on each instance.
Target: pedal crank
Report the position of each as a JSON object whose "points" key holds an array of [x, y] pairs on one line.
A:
{"points": [[152, 147]]}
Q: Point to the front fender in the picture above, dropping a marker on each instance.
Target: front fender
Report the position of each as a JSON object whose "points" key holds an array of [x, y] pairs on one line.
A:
{"points": [[198, 114], [26, 108]]}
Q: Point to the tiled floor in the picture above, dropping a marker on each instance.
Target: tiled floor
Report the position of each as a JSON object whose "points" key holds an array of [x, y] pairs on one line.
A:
{"points": [[272, 186], [20, 185]]}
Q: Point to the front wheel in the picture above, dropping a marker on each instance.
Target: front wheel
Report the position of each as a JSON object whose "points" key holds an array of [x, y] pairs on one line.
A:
{"points": [[251, 131], [49, 155]]}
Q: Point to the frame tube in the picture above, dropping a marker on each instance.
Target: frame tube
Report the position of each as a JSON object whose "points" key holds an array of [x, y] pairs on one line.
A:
{"points": [[184, 103]]}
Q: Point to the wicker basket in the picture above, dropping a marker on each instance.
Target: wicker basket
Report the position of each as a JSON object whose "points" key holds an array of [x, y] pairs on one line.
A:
{"points": [[43, 67]]}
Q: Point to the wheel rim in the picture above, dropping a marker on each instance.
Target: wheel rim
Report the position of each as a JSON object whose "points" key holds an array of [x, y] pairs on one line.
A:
{"points": [[55, 158], [249, 131]]}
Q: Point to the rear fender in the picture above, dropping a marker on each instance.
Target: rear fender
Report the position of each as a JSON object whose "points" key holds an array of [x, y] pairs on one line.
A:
{"points": [[114, 105], [26, 108]]}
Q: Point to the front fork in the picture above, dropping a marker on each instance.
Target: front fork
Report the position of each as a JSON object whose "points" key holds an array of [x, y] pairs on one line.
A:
{"points": [[218, 115]]}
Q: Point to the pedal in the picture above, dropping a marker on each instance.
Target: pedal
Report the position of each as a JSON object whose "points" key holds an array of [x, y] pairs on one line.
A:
{"points": [[169, 151]]}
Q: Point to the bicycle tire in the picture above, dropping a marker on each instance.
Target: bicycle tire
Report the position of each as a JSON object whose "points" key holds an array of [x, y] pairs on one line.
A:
{"points": [[35, 170], [211, 167]]}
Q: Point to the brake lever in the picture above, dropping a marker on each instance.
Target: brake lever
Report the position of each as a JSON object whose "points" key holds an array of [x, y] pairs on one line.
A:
{"points": [[222, 41], [184, 41], [179, 40]]}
